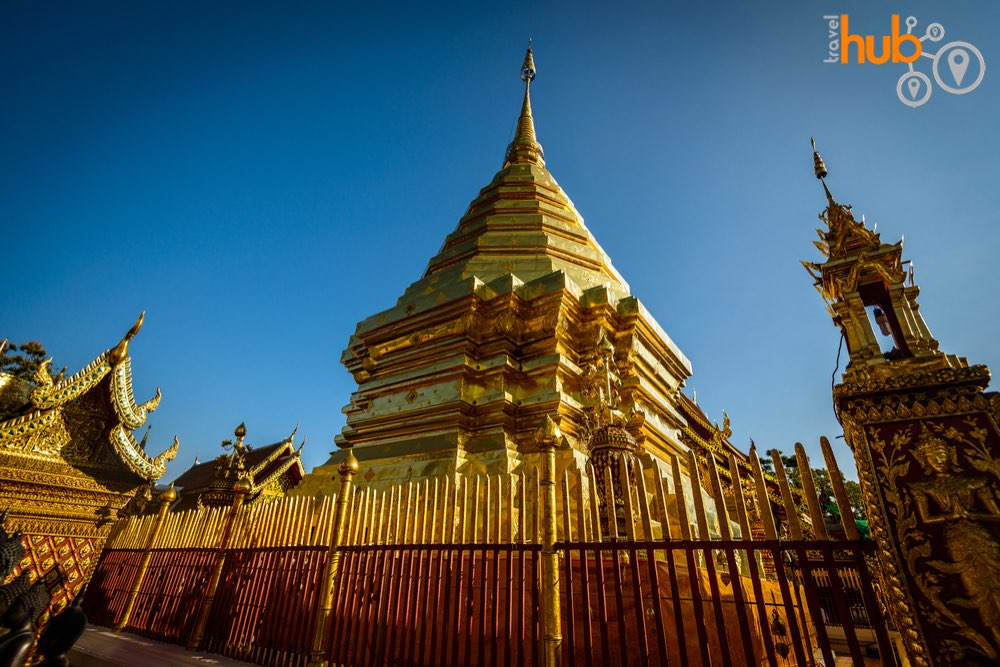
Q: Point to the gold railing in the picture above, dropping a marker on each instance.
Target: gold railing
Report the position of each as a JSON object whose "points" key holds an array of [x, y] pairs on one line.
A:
{"points": [[531, 568]]}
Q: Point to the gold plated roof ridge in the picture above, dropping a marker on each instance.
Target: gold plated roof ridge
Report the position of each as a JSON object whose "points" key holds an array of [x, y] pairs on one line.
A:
{"points": [[525, 147]]}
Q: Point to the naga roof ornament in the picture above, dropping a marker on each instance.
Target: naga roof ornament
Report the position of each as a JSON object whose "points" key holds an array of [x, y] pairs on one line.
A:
{"points": [[50, 396]]}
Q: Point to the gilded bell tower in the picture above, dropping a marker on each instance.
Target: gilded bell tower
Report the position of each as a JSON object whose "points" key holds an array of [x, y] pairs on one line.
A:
{"points": [[505, 327], [926, 440]]}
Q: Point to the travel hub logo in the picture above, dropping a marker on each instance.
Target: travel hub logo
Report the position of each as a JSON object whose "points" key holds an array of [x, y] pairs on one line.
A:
{"points": [[957, 67]]}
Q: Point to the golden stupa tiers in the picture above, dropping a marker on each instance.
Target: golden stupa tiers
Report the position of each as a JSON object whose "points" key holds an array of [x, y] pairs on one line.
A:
{"points": [[502, 330]]}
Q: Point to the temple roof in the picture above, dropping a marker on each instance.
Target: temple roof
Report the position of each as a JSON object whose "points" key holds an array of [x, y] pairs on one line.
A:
{"points": [[109, 374], [260, 465]]}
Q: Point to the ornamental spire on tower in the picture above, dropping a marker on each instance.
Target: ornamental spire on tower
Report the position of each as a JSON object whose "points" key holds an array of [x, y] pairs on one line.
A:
{"points": [[525, 147], [821, 171]]}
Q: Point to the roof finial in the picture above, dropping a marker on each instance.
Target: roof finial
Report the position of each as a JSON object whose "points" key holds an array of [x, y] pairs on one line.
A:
{"points": [[820, 168], [525, 147], [120, 351], [821, 171]]}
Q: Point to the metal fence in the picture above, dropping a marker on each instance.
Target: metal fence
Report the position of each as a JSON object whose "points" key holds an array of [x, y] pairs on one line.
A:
{"points": [[501, 570]]}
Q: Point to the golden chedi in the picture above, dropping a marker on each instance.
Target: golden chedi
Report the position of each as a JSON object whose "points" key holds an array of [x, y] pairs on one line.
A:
{"points": [[504, 328]]}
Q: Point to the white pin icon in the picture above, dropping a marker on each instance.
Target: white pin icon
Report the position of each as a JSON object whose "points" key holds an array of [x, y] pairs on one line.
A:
{"points": [[958, 63], [914, 86]]}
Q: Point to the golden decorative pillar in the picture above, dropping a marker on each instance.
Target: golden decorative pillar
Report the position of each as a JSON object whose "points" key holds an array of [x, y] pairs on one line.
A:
{"points": [[166, 498], [242, 488], [548, 438], [348, 469], [926, 439]]}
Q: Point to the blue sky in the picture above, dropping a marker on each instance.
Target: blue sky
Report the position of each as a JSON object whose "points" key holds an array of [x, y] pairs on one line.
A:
{"points": [[260, 176]]}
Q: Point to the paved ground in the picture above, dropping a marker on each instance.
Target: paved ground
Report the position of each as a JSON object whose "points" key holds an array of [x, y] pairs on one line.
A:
{"points": [[101, 647]]}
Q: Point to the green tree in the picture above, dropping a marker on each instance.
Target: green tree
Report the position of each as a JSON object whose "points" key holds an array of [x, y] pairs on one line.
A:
{"points": [[23, 360], [854, 497]]}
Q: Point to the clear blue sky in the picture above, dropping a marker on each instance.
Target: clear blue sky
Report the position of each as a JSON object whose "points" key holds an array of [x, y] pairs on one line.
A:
{"points": [[260, 176]]}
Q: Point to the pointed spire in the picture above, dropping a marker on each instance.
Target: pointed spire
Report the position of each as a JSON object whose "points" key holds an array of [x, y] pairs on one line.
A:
{"points": [[525, 147]]}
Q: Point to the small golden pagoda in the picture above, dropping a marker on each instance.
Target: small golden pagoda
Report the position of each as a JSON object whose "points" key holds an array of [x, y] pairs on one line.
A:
{"points": [[520, 315]]}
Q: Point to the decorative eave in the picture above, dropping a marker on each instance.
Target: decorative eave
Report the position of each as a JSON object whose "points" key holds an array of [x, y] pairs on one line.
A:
{"points": [[49, 397]]}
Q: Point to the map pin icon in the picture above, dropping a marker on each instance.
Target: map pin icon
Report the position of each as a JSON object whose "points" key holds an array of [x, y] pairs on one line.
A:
{"points": [[958, 63], [914, 86]]}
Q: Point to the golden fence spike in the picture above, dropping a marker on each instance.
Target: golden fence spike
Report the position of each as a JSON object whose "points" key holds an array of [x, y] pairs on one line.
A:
{"points": [[417, 526], [523, 509], [661, 502], [305, 520], [581, 509], [721, 511], [595, 516], [839, 491], [741, 504], [537, 522], [453, 526], [406, 519], [370, 536], [477, 509], [645, 516], [280, 519], [500, 513], [627, 498], [463, 521], [791, 513], [510, 509], [390, 507], [277, 527], [449, 500], [399, 523], [679, 499], [425, 518], [809, 489], [380, 528], [435, 508], [276, 520], [309, 526], [567, 520], [763, 500], [295, 509], [355, 518], [609, 505], [698, 496], [288, 511], [487, 526]]}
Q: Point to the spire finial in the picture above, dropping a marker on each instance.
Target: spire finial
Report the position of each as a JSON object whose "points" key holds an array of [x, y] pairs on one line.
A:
{"points": [[528, 68], [525, 147], [818, 164], [820, 168]]}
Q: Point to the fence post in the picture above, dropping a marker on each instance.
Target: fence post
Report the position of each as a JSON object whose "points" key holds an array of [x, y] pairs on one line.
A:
{"points": [[347, 470], [242, 488], [548, 437], [166, 498]]}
